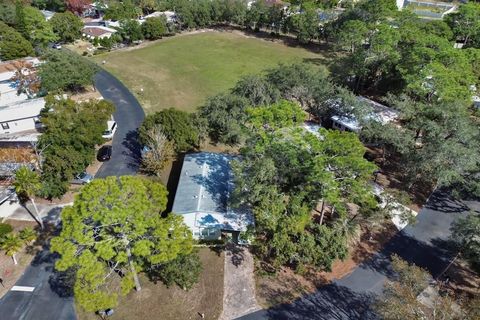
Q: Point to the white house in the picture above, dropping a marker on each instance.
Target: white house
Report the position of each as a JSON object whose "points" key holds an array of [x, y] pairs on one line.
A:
{"points": [[169, 15], [203, 197], [379, 113], [21, 116]]}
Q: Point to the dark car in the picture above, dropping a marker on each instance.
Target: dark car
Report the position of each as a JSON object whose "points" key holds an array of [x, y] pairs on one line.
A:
{"points": [[105, 153]]}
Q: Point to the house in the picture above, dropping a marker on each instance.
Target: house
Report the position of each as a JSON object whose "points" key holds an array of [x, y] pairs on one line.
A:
{"points": [[379, 113], [428, 9], [203, 197], [169, 15], [47, 14], [19, 112], [97, 32]]}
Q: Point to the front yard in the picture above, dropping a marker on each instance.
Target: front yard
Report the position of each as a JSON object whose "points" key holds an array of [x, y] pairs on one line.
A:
{"points": [[156, 301]]}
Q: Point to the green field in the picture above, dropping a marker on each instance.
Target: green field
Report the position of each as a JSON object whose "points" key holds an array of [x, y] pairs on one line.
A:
{"points": [[183, 71]]}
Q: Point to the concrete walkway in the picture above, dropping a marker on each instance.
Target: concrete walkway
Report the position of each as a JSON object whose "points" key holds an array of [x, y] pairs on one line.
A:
{"points": [[239, 284]]}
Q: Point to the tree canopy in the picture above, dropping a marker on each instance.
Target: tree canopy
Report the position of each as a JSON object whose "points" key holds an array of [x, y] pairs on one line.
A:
{"points": [[286, 172], [67, 26], [71, 132], [178, 126], [114, 231], [12, 44], [66, 71]]}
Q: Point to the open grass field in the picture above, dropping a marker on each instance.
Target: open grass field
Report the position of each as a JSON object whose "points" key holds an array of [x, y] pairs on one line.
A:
{"points": [[184, 70], [156, 301]]}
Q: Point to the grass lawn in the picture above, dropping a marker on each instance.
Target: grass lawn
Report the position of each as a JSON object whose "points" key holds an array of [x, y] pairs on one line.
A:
{"points": [[184, 70], [156, 301]]}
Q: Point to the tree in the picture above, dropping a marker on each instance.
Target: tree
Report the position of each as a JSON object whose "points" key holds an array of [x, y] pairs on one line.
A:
{"points": [[178, 126], [27, 184], [225, 115], [67, 26], [160, 150], [71, 132], [466, 22], [12, 244], [66, 71], [286, 172], [257, 90], [131, 30], [154, 28], [352, 34], [400, 297], [466, 234], [113, 232], [27, 235], [20, 19], [305, 25], [77, 6], [122, 11], [38, 31], [183, 271], [12, 44]]}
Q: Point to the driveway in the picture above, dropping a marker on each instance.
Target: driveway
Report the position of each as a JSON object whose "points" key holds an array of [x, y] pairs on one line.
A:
{"points": [[352, 296], [239, 284], [51, 297], [129, 116]]}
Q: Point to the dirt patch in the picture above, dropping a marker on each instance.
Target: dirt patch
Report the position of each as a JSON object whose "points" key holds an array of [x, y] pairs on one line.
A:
{"points": [[285, 285], [156, 301]]}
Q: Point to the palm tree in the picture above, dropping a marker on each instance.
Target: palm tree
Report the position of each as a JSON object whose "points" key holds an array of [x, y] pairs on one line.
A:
{"points": [[27, 184], [28, 235], [12, 243]]}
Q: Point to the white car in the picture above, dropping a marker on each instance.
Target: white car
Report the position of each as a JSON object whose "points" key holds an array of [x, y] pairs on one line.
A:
{"points": [[111, 129]]}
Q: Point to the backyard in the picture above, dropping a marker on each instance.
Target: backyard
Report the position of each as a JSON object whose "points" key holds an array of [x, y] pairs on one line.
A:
{"points": [[184, 70]]}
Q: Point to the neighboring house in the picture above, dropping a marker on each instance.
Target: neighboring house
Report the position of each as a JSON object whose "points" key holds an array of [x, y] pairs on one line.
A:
{"points": [[428, 9], [47, 14], [203, 197], [97, 32], [379, 113], [21, 116], [169, 15], [18, 112]]}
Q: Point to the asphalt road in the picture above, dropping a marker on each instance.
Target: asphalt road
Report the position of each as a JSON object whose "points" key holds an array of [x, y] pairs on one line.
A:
{"points": [[129, 116], [351, 297], [52, 298]]}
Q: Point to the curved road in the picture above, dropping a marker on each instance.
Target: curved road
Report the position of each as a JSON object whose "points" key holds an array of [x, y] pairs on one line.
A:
{"points": [[52, 296], [351, 297], [129, 116]]}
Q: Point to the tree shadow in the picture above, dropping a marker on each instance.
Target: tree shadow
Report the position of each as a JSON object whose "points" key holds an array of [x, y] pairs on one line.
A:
{"points": [[62, 283], [173, 180], [329, 302], [441, 201], [236, 254], [132, 150]]}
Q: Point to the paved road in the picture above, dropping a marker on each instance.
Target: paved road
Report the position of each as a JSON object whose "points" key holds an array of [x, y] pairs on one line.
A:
{"points": [[128, 115], [351, 297], [52, 298]]}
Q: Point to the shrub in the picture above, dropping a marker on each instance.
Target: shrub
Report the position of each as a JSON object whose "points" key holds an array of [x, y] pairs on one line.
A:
{"points": [[5, 229]]}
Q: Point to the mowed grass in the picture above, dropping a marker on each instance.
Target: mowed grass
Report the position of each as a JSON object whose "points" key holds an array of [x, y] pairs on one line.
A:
{"points": [[183, 71]]}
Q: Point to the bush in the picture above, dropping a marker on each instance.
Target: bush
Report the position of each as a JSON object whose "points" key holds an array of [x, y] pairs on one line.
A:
{"points": [[5, 229], [183, 271]]}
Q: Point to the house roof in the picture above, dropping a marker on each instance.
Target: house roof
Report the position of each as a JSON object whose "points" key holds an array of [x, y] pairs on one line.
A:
{"points": [[379, 113], [22, 110], [204, 189], [97, 31]]}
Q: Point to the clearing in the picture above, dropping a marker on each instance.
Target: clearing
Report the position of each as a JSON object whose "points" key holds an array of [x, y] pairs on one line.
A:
{"points": [[184, 70], [156, 301]]}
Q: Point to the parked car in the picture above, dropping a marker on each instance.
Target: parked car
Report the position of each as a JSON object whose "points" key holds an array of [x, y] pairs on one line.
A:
{"points": [[82, 178], [57, 46], [105, 153], [111, 129]]}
